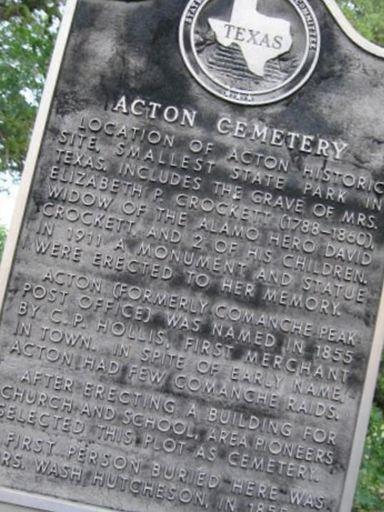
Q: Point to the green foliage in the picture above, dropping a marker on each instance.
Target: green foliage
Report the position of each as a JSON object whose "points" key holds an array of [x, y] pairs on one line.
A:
{"points": [[23, 8], [370, 492], [367, 16], [3, 236], [27, 31]]}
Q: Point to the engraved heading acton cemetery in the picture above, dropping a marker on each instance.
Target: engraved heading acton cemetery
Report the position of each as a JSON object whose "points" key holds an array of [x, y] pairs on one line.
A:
{"points": [[226, 125]]}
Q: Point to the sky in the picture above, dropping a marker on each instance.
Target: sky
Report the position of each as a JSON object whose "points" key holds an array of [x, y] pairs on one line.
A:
{"points": [[7, 204]]}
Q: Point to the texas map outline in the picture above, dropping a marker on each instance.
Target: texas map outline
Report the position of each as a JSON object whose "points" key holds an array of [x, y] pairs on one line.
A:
{"points": [[260, 38]]}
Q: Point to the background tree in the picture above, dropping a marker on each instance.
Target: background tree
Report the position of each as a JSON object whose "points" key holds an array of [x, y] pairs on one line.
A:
{"points": [[367, 16], [27, 31], [3, 234]]}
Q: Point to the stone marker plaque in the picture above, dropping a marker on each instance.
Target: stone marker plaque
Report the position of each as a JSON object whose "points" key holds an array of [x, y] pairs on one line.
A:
{"points": [[192, 312]]}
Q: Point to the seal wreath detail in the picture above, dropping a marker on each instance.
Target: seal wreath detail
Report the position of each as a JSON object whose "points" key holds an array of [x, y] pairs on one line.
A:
{"points": [[251, 52]]}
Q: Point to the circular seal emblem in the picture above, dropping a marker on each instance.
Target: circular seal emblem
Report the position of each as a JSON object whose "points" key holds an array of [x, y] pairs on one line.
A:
{"points": [[250, 52]]}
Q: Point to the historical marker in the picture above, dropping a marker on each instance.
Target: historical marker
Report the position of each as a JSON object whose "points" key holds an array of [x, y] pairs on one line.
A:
{"points": [[192, 312]]}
